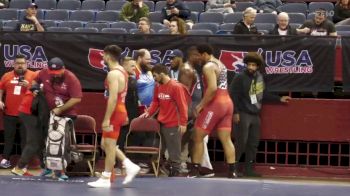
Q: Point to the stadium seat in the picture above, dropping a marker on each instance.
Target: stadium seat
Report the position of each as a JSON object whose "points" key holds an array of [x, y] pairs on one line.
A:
{"points": [[19, 4], [164, 31], [211, 17], [313, 6], [8, 14], [71, 24], [82, 15], [98, 26], [114, 5], [296, 18], [114, 30], [155, 16], [295, 25], [86, 30], [126, 25], [266, 18], [200, 32], [157, 26], [195, 6], [107, 16], [241, 6], [210, 26], [233, 17], [343, 33], [150, 4], [265, 26], [194, 17], [227, 26], [11, 24], [46, 4], [49, 23], [342, 27], [159, 5], [93, 5], [294, 8], [69, 4], [59, 29], [59, 15]]}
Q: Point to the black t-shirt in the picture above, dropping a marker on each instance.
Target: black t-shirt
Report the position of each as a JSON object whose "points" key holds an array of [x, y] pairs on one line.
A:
{"points": [[323, 29], [26, 25]]}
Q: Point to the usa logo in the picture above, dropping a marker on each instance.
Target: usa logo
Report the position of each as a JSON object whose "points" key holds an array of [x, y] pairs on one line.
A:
{"points": [[96, 58], [233, 60]]}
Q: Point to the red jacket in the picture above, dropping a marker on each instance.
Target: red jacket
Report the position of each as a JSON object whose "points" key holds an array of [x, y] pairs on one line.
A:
{"points": [[172, 102]]}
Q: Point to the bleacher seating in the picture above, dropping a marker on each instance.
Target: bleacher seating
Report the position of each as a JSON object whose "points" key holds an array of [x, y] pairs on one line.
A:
{"points": [[211, 17], [150, 4], [297, 18], [114, 30], [210, 26], [313, 6], [69, 4], [59, 29], [46, 4], [8, 14], [125, 25], [159, 5], [200, 32], [19, 4], [86, 30], [58, 15], [93, 5], [233, 17], [266, 18], [98, 26], [294, 8], [82, 15], [107, 16], [114, 5], [71, 24], [241, 6], [195, 6]]}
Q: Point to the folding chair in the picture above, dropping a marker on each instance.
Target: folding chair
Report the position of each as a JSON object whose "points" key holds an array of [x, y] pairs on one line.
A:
{"points": [[86, 126], [145, 125]]}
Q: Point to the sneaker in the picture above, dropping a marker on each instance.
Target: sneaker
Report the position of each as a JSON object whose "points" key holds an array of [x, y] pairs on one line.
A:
{"points": [[194, 172], [206, 173], [5, 164], [61, 176], [144, 168], [100, 183], [21, 172], [131, 171], [164, 170], [46, 172], [183, 168]]}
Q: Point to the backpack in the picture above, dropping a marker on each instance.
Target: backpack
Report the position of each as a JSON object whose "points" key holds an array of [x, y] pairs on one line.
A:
{"points": [[60, 143]]}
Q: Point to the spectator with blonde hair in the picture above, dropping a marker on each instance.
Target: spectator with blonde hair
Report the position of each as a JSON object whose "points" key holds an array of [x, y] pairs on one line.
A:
{"points": [[246, 25]]}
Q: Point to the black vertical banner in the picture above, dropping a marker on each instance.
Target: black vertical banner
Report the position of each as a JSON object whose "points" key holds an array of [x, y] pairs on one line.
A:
{"points": [[345, 42]]}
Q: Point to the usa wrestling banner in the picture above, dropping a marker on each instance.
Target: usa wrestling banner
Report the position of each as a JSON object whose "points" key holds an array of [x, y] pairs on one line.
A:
{"points": [[291, 63]]}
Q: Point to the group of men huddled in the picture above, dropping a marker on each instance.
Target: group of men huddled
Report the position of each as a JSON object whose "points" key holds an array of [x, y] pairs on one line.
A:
{"points": [[191, 100]]}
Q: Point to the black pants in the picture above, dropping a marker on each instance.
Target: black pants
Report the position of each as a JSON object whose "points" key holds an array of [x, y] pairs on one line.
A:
{"points": [[11, 123], [35, 140], [247, 136]]}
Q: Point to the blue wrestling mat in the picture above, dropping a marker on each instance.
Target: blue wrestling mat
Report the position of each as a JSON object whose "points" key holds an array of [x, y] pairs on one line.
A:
{"points": [[149, 186]]}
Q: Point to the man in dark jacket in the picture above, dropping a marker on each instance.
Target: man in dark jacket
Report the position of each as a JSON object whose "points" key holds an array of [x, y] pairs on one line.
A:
{"points": [[282, 27], [247, 91], [246, 25], [175, 8]]}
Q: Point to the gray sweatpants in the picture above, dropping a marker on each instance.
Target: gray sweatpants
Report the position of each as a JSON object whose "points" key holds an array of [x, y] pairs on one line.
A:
{"points": [[247, 136], [171, 140]]}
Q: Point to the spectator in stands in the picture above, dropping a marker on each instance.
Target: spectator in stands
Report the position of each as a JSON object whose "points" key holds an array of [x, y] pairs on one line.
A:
{"points": [[282, 27], [247, 91], [176, 8], [62, 91], [221, 6], [170, 99], [177, 26], [267, 6], [30, 21], [176, 62], [3, 4], [134, 10], [342, 12], [144, 26], [246, 25], [319, 26], [13, 86]]}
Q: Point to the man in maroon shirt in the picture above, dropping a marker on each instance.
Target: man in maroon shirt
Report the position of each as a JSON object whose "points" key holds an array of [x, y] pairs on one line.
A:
{"points": [[169, 97], [62, 91]]}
